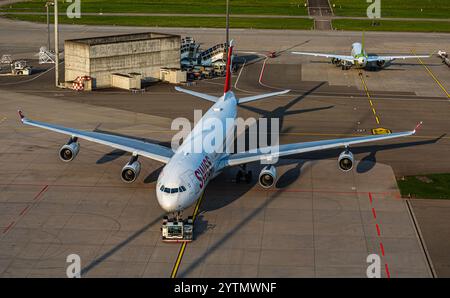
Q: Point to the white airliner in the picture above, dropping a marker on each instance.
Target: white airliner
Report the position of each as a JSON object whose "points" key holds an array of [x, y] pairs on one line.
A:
{"points": [[186, 174], [359, 57]]}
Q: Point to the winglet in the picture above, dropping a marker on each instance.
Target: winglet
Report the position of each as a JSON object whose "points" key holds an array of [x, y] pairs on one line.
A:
{"points": [[227, 86], [21, 115], [418, 126]]}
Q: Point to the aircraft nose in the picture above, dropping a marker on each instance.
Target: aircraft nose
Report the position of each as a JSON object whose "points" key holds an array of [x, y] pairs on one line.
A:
{"points": [[168, 202]]}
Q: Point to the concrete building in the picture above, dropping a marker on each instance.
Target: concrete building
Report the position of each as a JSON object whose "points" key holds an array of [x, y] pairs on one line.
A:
{"points": [[100, 57]]}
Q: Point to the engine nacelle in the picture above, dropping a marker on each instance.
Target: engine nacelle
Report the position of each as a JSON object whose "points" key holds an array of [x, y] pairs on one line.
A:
{"points": [[345, 161], [381, 63], [131, 171], [336, 61], [268, 176], [69, 151]]}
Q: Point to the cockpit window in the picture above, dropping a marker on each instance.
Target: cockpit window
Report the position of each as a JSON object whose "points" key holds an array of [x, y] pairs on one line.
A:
{"points": [[172, 190]]}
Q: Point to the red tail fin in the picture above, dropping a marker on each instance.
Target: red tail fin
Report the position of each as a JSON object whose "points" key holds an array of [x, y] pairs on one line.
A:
{"points": [[227, 86]]}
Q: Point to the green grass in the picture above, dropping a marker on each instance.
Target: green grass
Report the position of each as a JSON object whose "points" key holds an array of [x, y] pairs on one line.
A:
{"points": [[395, 8], [202, 22], [402, 26], [433, 186], [272, 7]]}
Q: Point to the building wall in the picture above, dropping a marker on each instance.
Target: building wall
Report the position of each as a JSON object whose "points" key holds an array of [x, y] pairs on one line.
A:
{"points": [[101, 60], [76, 60]]}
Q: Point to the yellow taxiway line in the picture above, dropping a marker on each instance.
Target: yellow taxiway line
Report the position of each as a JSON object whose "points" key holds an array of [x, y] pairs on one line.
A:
{"points": [[377, 119], [183, 246], [432, 75]]}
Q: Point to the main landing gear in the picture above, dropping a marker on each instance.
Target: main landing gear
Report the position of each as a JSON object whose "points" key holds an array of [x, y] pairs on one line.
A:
{"points": [[244, 174], [176, 229]]}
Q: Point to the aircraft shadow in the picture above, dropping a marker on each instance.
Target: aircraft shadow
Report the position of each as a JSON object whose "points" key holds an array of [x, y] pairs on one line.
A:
{"points": [[97, 261], [214, 246], [282, 111], [286, 179]]}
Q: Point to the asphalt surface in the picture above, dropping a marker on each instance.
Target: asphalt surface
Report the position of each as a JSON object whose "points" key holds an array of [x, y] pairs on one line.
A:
{"points": [[306, 226], [83, 206]]}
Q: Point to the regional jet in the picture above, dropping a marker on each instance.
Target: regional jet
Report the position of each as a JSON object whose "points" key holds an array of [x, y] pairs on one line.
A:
{"points": [[186, 174], [358, 57]]}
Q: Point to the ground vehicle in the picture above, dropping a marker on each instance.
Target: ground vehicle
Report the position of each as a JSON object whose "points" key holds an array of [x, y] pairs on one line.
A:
{"points": [[173, 230]]}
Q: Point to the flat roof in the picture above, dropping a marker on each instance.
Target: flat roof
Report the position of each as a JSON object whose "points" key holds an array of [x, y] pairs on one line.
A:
{"points": [[122, 38]]}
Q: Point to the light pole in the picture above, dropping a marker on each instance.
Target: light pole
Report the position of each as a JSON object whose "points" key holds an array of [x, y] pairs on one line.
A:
{"points": [[56, 45], [227, 26], [47, 5]]}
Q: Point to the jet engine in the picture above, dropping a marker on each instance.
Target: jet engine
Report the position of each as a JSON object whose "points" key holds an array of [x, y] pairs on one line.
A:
{"points": [[131, 171], [345, 161], [381, 63], [335, 61], [69, 151], [268, 176]]}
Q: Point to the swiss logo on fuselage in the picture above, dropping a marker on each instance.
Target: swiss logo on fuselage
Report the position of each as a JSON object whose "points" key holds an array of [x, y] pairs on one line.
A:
{"points": [[203, 172]]}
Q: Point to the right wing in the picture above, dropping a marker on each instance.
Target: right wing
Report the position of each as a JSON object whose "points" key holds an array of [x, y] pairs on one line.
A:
{"points": [[340, 57], [141, 148], [390, 58], [270, 153], [198, 94]]}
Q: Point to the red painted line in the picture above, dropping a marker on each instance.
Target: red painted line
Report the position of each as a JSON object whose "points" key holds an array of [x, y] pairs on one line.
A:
{"points": [[387, 270], [24, 209], [8, 227], [382, 248], [370, 197], [374, 213], [378, 229], [41, 192]]}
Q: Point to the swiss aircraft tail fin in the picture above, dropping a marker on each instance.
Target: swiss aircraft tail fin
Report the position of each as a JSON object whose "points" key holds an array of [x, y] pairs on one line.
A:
{"points": [[227, 86]]}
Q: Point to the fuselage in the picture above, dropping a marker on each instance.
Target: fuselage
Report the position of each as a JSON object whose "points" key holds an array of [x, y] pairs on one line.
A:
{"points": [[359, 55], [188, 172]]}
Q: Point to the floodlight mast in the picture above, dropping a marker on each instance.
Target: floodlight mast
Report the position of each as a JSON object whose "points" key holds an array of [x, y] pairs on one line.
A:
{"points": [[56, 44]]}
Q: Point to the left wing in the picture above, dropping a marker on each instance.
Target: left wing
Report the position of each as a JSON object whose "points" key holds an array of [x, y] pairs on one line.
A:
{"points": [[198, 94], [152, 151], [269, 153], [390, 58]]}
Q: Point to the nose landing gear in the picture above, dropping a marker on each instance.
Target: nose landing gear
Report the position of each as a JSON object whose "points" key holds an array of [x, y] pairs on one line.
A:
{"points": [[175, 229]]}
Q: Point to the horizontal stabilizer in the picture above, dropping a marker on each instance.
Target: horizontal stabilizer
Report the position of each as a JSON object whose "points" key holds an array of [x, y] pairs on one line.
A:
{"points": [[198, 94], [261, 96]]}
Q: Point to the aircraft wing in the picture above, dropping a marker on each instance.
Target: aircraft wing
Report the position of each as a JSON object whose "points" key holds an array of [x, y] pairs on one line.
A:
{"points": [[340, 57], [390, 58], [270, 153], [141, 148]]}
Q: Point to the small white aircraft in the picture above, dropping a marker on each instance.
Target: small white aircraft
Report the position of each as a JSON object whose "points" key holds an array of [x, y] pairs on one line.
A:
{"points": [[359, 57], [186, 174]]}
